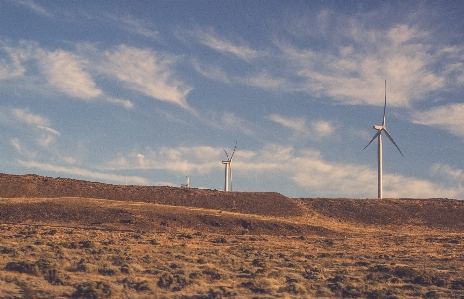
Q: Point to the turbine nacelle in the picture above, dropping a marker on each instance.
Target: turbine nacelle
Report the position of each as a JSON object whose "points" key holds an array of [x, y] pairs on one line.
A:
{"points": [[378, 128]]}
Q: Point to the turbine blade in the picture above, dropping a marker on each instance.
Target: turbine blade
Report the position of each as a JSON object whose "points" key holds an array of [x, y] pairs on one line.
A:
{"points": [[385, 106], [235, 147], [226, 154], [391, 139], [375, 136]]}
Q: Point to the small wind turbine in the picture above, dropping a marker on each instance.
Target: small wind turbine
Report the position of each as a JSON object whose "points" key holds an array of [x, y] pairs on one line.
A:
{"points": [[187, 184], [381, 129], [228, 172]]}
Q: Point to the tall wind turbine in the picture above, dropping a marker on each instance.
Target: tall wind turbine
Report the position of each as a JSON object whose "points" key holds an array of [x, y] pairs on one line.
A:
{"points": [[378, 135], [228, 172]]}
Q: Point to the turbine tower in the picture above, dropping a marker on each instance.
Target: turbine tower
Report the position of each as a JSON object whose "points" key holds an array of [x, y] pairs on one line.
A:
{"points": [[228, 172], [378, 135]]}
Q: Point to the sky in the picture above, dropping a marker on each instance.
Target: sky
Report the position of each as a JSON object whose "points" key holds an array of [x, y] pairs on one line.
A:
{"points": [[150, 92]]}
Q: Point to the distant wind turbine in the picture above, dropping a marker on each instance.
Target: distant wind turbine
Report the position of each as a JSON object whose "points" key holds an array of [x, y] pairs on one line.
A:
{"points": [[228, 172], [381, 129]]}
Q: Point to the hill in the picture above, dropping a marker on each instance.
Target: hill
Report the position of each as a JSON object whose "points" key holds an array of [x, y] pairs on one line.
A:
{"points": [[63, 238], [430, 213]]}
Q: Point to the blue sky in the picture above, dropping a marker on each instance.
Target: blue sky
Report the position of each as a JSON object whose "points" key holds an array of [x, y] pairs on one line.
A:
{"points": [[148, 92]]}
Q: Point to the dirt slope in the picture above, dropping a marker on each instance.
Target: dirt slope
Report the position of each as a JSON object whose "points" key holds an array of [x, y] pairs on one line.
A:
{"points": [[209, 210], [436, 213], [260, 203]]}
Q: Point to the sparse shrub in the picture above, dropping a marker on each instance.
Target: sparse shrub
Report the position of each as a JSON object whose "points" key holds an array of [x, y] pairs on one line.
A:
{"points": [[195, 275], [201, 260], [259, 263], [56, 277], [174, 282], [323, 292], [108, 270], [380, 268], [138, 285], [329, 242], [376, 294], [274, 274], [69, 245], [258, 286], [87, 244], [23, 267], [405, 272], [423, 279], [362, 264], [313, 273], [351, 291], [457, 284], [83, 266], [221, 292], [93, 290], [6, 250], [215, 274], [220, 240], [432, 295], [293, 288]]}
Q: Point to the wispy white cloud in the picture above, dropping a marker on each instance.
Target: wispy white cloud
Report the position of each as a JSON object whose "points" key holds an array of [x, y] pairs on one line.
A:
{"points": [[448, 117], [306, 168], [36, 123], [148, 72], [213, 72], [35, 7], [25, 116], [355, 73], [315, 129], [65, 71], [296, 124], [16, 143], [11, 66], [199, 159], [349, 63], [83, 172], [232, 122], [447, 171], [220, 44], [121, 102], [133, 25]]}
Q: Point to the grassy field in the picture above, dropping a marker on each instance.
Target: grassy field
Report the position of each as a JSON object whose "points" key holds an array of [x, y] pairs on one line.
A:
{"points": [[64, 238], [71, 260]]}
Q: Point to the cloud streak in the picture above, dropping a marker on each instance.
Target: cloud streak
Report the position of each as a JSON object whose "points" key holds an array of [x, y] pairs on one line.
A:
{"points": [[148, 72], [83, 172], [306, 168], [447, 117]]}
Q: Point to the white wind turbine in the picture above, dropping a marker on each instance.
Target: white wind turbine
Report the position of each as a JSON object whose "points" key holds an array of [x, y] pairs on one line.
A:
{"points": [[228, 172], [381, 129]]}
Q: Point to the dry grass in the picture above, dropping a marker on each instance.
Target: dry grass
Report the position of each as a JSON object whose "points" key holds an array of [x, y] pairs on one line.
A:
{"points": [[237, 245], [60, 262]]}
